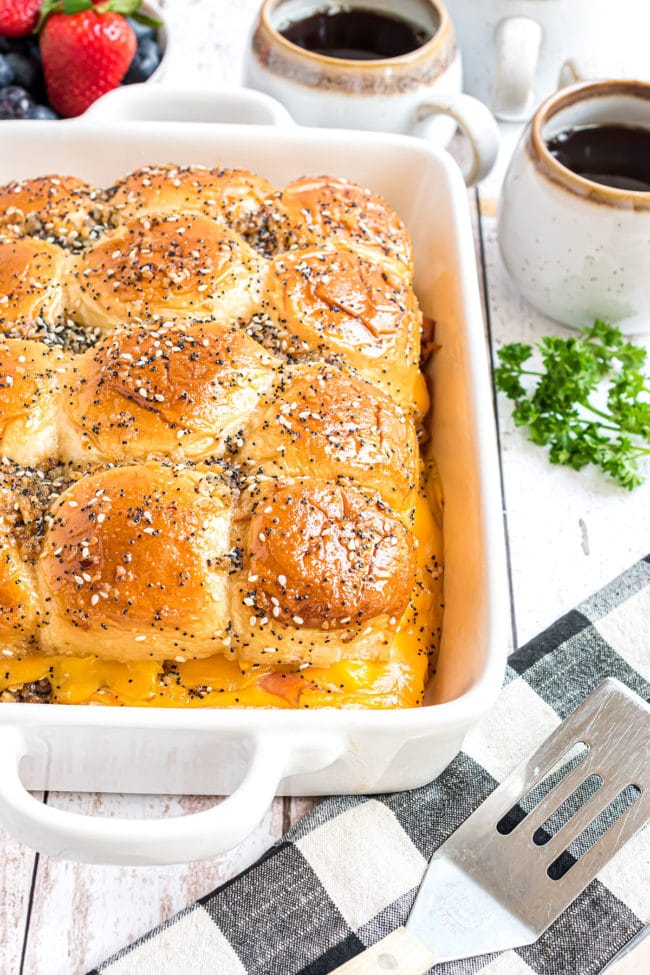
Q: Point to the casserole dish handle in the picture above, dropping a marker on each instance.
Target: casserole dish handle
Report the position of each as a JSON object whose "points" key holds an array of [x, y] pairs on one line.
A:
{"points": [[198, 836], [141, 103]]}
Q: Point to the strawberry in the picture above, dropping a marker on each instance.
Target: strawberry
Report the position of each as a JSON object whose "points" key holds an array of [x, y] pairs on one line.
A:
{"points": [[86, 50], [18, 17]]}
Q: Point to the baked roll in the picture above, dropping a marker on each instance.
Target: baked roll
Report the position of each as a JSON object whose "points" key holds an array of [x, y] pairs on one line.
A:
{"points": [[134, 565], [322, 210], [18, 599], [183, 389], [30, 378], [319, 420], [327, 573], [213, 493], [165, 265], [234, 196], [63, 209], [339, 304], [32, 273]]}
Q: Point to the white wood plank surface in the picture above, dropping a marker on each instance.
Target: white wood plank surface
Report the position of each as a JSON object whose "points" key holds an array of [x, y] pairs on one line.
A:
{"points": [[568, 534], [81, 913]]}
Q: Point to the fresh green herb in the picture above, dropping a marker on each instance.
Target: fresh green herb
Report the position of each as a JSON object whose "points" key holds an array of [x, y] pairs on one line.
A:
{"points": [[591, 402]]}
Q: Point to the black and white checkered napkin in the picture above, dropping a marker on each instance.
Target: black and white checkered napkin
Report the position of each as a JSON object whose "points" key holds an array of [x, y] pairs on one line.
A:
{"points": [[347, 873]]}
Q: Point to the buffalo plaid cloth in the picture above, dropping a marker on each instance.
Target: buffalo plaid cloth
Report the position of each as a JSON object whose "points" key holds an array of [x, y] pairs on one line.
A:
{"points": [[347, 873]]}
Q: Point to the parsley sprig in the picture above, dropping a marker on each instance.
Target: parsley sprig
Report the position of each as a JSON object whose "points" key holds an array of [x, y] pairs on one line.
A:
{"points": [[590, 404]]}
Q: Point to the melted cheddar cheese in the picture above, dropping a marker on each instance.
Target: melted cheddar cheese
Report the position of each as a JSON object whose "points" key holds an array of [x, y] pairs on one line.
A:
{"points": [[220, 682]]}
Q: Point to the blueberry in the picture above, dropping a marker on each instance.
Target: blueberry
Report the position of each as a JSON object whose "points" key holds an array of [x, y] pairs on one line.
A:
{"points": [[5, 45], [42, 112], [6, 72], [141, 30], [24, 70], [145, 61], [32, 48], [15, 102]]}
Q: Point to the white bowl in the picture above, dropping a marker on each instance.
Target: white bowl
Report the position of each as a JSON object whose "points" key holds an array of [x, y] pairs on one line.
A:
{"points": [[255, 754]]}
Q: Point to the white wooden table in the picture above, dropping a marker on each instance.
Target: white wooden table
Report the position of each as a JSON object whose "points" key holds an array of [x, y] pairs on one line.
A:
{"points": [[568, 534]]}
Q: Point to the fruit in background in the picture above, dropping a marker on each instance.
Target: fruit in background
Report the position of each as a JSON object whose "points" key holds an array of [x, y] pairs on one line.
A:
{"points": [[6, 74], [25, 70], [15, 102], [68, 92], [18, 17], [84, 55], [145, 61]]}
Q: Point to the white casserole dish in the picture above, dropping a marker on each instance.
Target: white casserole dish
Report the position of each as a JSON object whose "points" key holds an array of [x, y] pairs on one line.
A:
{"points": [[254, 754]]}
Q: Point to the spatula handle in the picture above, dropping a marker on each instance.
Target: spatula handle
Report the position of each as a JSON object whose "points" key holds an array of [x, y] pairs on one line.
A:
{"points": [[400, 953]]}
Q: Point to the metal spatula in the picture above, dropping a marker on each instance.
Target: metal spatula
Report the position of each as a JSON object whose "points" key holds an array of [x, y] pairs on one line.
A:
{"points": [[526, 853]]}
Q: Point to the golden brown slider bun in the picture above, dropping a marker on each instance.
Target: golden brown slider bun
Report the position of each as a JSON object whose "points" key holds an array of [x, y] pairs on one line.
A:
{"points": [[31, 276], [337, 302], [30, 377], [134, 567], [18, 600], [321, 421], [184, 389], [327, 575], [320, 210], [63, 208], [170, 265], [233, 195]]}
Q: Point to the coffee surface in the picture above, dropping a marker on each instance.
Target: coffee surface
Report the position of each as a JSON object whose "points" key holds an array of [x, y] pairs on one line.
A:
{"points": [[358, 35], [613, 155]]}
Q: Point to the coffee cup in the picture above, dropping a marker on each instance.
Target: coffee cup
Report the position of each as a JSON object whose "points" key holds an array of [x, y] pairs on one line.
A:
{"points": [[574, 219], [352, 72], [517, 52]]}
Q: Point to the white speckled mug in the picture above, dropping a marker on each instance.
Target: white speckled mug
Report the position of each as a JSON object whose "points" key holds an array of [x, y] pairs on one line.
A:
{"points": [[418, 93], [518, 52], [577, 249]]}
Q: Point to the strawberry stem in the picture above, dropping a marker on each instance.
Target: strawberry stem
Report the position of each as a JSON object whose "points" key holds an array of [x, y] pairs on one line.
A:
{"points": [[127, 8], [76, 6]]}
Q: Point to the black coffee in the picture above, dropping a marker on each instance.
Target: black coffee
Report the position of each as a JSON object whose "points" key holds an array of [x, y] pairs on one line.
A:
{"points": [[614, 155], [359, 35]]}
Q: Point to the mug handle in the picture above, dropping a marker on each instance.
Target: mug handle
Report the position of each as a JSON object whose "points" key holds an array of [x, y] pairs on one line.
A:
{"points": [[476, 122], [518, 44]]}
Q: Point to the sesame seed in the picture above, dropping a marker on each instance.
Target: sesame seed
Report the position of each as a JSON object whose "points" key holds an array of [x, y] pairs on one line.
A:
{"points": [[94, 599], [141, 638], [298, 620], [282, 580]]}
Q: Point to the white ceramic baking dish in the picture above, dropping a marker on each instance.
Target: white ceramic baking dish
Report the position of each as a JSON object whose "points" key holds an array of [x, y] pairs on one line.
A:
{"points": [[251, 755]]}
